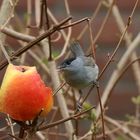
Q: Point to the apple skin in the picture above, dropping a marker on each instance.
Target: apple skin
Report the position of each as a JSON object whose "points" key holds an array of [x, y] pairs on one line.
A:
{"points": [[23, 94]]}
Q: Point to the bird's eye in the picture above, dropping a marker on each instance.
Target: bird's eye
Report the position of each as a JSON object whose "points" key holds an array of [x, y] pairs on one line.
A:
{"points": [[68, 62]]}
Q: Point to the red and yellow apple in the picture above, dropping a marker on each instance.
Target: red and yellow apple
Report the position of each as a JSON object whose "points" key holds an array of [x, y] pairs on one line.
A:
{"points": [[23, 94]]}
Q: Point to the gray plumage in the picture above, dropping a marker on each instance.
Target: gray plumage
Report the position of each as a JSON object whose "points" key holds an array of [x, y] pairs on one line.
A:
{"points": [[79, 71]]}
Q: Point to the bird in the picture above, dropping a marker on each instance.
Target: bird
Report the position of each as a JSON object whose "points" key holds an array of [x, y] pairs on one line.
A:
{"points": [[79, 71]]}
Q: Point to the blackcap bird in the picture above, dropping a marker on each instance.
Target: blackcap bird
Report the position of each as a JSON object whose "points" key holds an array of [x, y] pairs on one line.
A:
{"points": [[79, 71]]}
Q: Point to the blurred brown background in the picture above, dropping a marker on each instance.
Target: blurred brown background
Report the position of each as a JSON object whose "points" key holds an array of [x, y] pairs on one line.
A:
{"points": [[120, 102]]}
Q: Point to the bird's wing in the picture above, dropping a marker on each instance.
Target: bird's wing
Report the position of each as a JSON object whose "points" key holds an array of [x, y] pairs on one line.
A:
{"points": [[76, 49]]}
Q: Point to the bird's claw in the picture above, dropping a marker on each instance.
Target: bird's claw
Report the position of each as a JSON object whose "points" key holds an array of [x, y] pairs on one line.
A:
{"points": [[79, 107]]}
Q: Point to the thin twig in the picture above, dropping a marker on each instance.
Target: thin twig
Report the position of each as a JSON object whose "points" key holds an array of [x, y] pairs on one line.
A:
{"points": [[15, 137], [103, 23], [64, 120], [128, 39], [124, 70], [68, 34], [102, 112], [59, 88], [5, 52], [74, 23], [123, 35], [99, 136], [116, 49], [125, 129], [92, 18], [94, 41], [27, 31], [11, 14], [67, 7], [70, 25], [17, 35], [84, 99], [131, 124], [53, 18], [134, 8], [120, 65], [65, 45], [91, 40], [39, 61], [21, 132], [41, 13], [48, 26], [32, 43], [11, 125], [107, 92]]}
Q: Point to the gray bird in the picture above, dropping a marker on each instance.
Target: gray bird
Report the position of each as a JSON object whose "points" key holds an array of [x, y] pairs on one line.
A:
{"points": [[79, 71]]}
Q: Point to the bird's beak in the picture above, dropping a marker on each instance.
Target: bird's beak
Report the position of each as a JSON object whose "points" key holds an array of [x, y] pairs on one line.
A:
{"points": [[60, 68]]}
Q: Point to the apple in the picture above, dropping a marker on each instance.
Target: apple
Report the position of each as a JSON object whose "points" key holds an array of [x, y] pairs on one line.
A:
{"points": [[23, 94]]}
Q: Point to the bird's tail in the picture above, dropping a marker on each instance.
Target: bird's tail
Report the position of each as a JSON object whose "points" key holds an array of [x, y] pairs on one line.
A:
{"points": [[76, 48]]}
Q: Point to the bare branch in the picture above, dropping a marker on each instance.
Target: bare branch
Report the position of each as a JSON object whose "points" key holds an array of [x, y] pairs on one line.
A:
{"points": [[32, 43], [67, 119]]}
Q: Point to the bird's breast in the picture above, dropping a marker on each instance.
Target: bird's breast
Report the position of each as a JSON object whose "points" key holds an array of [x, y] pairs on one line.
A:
{"points": [[76, 79]]}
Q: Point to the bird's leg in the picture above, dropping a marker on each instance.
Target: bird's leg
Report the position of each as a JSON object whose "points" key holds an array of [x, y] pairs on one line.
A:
{"points": [[79, 107], [81, 103]]}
